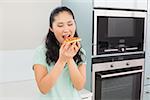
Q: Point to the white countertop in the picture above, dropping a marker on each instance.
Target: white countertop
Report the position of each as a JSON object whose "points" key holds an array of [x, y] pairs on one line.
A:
{"points": [[85, 93]]}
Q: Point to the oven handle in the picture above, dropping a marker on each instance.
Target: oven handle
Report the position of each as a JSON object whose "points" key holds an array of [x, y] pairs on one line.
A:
{"points": [[122, 73]]}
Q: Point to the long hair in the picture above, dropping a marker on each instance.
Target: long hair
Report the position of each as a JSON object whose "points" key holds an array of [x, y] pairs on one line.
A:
{"points": [[52, 44]]}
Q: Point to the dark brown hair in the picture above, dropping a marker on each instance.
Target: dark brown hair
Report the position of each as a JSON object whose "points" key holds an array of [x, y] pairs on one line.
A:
{"points": [[52, 44]]}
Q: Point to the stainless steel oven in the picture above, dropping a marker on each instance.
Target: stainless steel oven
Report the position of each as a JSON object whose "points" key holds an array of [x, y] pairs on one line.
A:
{"points": [[118, 79], [118, 31]]}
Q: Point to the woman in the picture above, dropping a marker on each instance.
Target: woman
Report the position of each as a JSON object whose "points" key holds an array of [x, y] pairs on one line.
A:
{"points": [[60, 67]]}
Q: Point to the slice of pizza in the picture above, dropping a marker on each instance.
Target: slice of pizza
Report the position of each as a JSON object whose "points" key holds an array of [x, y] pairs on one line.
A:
{"points": [[72, 39]]}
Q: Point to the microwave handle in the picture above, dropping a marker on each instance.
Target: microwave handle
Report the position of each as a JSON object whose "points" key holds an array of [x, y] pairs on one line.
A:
{"points": [[122, 73]]}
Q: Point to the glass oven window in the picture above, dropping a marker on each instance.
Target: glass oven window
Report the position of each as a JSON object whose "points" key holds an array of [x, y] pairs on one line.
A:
{"points": [[126, 87]]}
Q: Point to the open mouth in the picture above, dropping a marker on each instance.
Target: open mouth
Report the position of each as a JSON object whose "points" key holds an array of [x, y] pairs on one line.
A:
{"points": [[66, 36]]}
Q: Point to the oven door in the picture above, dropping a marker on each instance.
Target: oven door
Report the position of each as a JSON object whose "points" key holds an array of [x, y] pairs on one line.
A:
{"points": [[120, 84]]}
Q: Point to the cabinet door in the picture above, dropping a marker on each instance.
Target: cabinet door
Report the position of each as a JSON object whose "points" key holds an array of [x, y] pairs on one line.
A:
{"points": [[147, 70], [123, 4], [147, 60], [146, 95]]}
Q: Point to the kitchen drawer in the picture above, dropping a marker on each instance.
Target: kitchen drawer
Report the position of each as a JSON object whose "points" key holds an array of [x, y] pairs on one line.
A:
{"points": [[146, 94]]}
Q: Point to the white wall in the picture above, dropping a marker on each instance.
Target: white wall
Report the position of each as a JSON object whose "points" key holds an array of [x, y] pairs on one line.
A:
{"points": [[23, 26]]}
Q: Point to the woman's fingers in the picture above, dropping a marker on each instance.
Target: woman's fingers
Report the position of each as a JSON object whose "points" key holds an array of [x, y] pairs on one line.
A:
{"points": [[70, 49], [65, 46], [78, 45]]}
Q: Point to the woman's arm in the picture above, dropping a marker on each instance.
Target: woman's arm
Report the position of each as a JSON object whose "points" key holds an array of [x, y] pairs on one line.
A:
{"points": [[77, 74], [45, 80]]}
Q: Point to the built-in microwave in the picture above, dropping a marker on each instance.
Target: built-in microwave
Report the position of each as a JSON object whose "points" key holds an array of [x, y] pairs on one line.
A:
{"points": [[118, 31]]}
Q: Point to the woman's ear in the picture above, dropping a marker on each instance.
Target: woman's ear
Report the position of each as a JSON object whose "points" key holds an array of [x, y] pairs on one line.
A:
{"points": [[51, 29]]}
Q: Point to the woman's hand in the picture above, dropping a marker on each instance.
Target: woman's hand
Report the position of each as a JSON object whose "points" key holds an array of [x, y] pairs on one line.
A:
{"points": [[68, 50], [73, 49]]}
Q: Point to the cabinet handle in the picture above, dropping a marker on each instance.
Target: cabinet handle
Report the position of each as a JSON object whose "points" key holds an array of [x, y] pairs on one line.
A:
{"points": [[147, 92], [84, 98], [148, 78]]}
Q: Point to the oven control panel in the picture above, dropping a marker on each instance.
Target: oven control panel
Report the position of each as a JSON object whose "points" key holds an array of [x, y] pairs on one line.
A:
{"points": [[117, 64]]}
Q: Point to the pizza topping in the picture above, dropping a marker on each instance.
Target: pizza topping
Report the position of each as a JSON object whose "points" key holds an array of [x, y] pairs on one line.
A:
{"points": [[72, 39]]}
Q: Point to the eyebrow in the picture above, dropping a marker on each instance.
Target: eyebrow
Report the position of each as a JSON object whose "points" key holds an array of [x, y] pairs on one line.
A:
{"points": [[70, 21], [60, 22], [67, 22]]}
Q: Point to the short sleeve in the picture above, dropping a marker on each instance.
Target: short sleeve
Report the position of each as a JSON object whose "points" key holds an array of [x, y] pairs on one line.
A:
{"points": [[83, 57], [39, 56]]}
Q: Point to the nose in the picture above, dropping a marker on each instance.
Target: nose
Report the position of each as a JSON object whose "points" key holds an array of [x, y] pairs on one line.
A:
{"points": [[66, 29]]}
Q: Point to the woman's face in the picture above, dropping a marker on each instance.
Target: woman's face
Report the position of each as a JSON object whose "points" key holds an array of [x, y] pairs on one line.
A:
{"points": [[63, 26]]}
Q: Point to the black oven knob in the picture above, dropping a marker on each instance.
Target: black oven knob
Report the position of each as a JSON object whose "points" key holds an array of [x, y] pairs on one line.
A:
{"points": [[127, 64], [111, 66]]}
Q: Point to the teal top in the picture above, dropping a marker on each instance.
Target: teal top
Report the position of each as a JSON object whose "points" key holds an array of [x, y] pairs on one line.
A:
{"points": [[63, 88]]}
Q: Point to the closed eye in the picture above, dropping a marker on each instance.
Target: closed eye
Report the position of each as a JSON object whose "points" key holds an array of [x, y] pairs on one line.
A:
{"points": [[61, 25], [70, 24]]}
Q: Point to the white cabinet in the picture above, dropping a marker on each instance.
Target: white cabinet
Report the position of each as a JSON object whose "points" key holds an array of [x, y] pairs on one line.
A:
{"points": [[19, 90], [122, 4], [147, 69], [147, 57], [29, 91], [146, 94]]}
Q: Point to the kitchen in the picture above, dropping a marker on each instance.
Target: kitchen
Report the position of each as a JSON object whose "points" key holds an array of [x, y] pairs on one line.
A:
{"points": [[87, 21]]}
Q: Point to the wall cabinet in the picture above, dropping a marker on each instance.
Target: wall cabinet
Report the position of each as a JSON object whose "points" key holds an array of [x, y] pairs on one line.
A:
{"points": [[122, 4]]}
